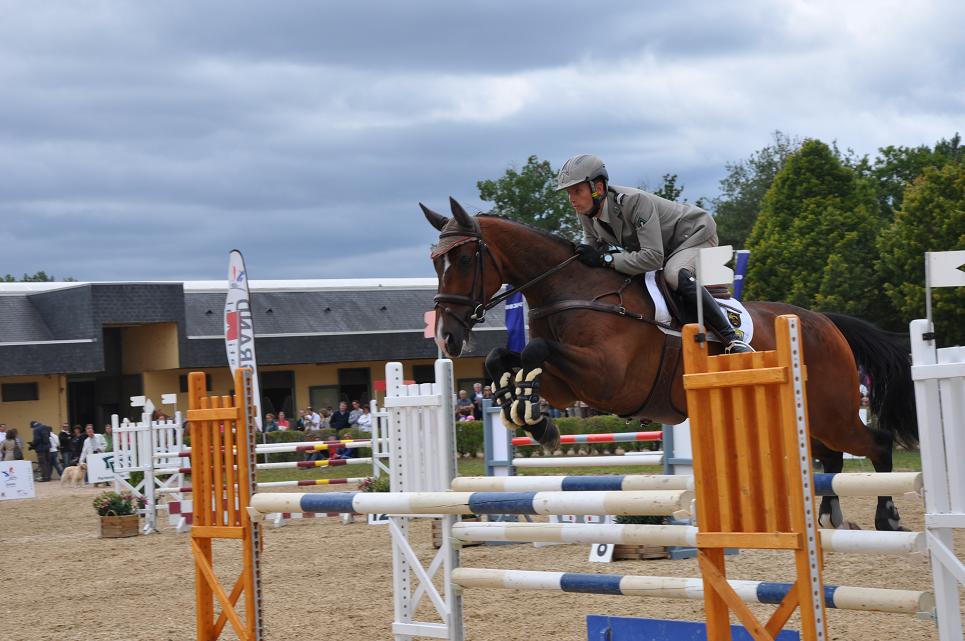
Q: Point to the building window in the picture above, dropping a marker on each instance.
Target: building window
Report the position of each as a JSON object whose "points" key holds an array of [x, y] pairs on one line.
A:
{"points": [[12, 392], [183, 382], [424, 373]]}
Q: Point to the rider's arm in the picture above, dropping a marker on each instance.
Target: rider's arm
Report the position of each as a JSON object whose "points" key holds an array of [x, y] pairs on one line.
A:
{"points": [[642, 214]]}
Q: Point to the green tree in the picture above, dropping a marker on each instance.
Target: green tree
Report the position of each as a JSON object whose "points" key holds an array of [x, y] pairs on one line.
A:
{"points": [[668, 189], [39, 277], [742, 190], [813, 242], [897, 167], [528, 195], [931, 218]]}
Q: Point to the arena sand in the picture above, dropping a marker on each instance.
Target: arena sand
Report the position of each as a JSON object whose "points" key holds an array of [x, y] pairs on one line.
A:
{"points": [[329, 581]]}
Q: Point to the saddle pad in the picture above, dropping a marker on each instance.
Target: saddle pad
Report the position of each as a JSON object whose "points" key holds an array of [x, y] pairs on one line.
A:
{"points": [[735, 311]]}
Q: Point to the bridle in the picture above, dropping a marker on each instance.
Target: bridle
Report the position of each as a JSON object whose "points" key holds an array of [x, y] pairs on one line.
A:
{"points": [[476, 309]]}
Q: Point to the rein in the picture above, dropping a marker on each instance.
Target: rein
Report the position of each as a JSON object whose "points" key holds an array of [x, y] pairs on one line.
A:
{"points": [[479, 309]]}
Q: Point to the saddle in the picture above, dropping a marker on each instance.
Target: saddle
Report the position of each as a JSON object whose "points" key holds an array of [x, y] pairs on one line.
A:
{"points": [[680, 317]]}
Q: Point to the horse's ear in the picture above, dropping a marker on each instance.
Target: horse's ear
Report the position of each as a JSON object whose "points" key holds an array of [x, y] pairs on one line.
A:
{"points": [[464, 219], [436, 220]]}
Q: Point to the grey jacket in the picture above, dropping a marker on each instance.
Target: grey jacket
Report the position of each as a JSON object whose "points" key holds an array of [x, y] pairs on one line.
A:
{"points": [[648, 228]]}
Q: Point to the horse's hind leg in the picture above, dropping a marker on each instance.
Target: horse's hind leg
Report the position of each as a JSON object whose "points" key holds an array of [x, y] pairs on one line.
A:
{"points": [[886, 514], [829, 514]]}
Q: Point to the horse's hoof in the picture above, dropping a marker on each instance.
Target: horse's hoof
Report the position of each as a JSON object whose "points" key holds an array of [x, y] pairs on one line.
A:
{"points": [[550, 439]]}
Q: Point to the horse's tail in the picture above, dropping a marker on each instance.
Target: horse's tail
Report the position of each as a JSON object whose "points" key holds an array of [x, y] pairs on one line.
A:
{"points": [[886, 359]]}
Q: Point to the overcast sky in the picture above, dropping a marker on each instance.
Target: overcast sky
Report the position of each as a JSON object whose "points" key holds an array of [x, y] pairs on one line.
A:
{"points": [[143, 141]]}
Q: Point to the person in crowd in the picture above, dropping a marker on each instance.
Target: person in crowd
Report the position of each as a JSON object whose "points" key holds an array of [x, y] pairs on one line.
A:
{"points": [[109, 436], [271, 425], [41, 445], [76, 444], [3, 432], [94, 444], [354, 414], [314, 417], [304, 423], [365, 420], [464, 406], [64, 438], [9, 449], [340, 419], [324, 419], [476, 398], [283, 423], [54, 454]]}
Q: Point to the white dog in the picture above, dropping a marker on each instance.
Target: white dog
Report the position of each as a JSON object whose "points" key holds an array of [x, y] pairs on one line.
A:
{"points": [[73, 475]]}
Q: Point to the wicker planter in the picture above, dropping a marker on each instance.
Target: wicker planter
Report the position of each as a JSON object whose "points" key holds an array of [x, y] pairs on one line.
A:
{"points": [[639, 552], [116, 527]]}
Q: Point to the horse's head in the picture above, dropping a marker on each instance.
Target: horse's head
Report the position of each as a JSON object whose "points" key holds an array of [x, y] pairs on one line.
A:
{"points": [[468, 277]]}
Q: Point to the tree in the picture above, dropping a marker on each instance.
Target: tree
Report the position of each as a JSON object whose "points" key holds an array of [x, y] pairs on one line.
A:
{"points": [[528, 195], [743, 189], [668, 189], [39, 277], [897, 167], [813, 242], [931, 218]]}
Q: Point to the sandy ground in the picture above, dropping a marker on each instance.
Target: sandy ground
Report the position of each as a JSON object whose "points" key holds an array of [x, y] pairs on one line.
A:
{"points": [[325, 580]]}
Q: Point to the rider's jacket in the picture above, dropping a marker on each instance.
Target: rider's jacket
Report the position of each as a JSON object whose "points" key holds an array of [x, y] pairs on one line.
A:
{"points": [[647, 227]]}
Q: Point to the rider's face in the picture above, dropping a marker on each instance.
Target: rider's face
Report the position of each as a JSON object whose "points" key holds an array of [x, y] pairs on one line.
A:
{"points": [[580, 197]]}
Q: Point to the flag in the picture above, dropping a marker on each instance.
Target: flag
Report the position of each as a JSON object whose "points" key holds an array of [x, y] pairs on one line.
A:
{"points": [[740, 271], [239, 330], [515, 327], [712, 265], [944, 269]]}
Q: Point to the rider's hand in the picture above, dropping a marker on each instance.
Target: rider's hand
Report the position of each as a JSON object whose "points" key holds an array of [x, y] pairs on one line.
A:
{"points": [[590, 256]]}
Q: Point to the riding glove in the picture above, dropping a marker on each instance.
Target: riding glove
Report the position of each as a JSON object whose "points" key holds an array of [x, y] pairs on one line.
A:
{"points": [[590, 256]]}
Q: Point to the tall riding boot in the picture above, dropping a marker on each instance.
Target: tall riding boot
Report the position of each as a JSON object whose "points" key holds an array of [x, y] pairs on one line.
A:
{"points": [[713, 316]]}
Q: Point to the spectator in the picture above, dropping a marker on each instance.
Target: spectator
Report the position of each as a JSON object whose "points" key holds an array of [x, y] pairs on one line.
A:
{"points": [[477, 397], [304, 422], [340, 419], [94, 444], [41, 445], [353, 416], [271, 425], [314, 417], [283, 423], [365, 420], [325, 420], [76, 444], [464, 406], [9, 449], [109, 435], [3, 432], [54, 454], [64, 448]]}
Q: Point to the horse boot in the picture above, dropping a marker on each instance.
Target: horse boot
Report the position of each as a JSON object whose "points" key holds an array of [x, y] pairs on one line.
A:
{"points": [[713, 315], [504, 398], [526, 411]]}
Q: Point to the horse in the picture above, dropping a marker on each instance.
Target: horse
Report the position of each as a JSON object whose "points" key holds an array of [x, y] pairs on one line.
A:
{"points": [[594, 339]]}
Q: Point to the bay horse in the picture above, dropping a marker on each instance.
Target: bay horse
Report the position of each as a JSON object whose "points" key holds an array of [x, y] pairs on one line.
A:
{"points": [[594, 339]]}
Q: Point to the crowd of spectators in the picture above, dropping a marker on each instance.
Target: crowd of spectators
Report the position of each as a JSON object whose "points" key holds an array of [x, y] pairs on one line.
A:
{"points": [[71, 446]]}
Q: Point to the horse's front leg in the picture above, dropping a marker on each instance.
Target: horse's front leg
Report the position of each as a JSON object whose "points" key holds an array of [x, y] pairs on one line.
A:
{"points": [[525, 408], [502, 366]]}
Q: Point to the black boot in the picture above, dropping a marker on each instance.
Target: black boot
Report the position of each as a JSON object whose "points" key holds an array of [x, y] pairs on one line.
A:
{"points": [[713, 316]]}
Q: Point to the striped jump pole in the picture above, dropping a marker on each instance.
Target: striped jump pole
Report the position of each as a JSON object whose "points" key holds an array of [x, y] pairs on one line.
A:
{"points": [[645, 458], [660, 503], [286, 465], [840, 597], [618, 437], [281, 448], [840, 484], [186, 489], [844, 541]]}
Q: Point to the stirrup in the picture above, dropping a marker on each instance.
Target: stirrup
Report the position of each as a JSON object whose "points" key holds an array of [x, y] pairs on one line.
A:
{"points": [[738, 347]]}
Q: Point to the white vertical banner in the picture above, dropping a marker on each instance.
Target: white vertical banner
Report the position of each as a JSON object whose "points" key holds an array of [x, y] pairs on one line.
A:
{"points": [[712, 265], [944, 269], [239, 329]]}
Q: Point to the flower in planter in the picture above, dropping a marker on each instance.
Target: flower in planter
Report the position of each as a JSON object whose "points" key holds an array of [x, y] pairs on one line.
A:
{"points": [[117, 504], [380, 484]]}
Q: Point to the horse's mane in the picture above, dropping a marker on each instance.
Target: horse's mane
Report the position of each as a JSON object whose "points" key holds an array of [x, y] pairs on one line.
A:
{"points": [[542, 232]]}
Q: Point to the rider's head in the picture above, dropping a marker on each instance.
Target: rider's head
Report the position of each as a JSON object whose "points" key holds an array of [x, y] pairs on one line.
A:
{"points": [[584, 178]]}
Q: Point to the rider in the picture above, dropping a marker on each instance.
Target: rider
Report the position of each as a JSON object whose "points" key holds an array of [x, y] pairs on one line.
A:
{"points": [[655, 233]]}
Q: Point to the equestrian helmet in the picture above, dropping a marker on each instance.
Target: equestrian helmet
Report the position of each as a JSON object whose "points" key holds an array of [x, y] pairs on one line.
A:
{"points": [[581, 168]]}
